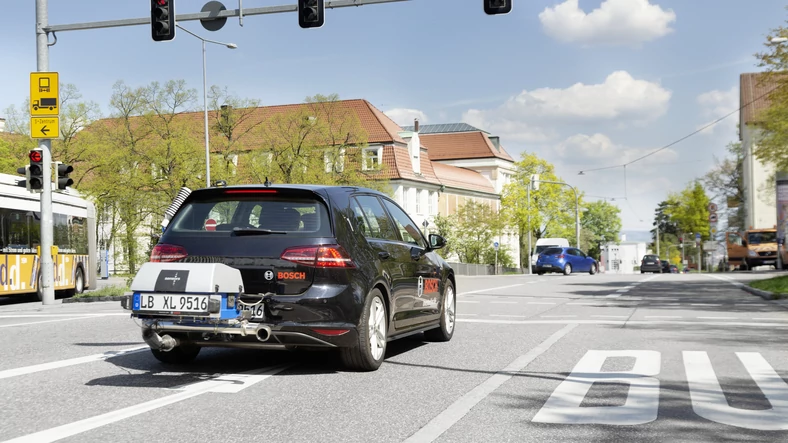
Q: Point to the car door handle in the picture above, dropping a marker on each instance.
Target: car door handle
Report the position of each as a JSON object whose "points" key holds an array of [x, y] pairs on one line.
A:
{"points": [[384, 255]]}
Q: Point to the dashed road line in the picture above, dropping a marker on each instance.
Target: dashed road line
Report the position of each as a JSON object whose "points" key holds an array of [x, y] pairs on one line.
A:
{"points": [[8, 373]]}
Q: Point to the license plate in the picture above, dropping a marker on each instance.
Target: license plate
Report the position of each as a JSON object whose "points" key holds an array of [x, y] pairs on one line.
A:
{"points": [[649, 262], [258, 311], [175, 304]]}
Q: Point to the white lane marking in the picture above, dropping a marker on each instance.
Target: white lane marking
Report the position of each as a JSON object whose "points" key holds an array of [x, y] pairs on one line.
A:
{"points": [[623, 290], [749, 304], [629, 322], [76, 314], [717, 318], [558, 316], [503, 302], [581, 304], [468, 315], [468, 301], [613, 295], [540, 303], [8, 373], [457, 410], [219, 384], [611, 316], [709, 402], [662, 316], [770, 319], [705, 304], [44, 321], [491, 289], [641, 406], [507, 315]]}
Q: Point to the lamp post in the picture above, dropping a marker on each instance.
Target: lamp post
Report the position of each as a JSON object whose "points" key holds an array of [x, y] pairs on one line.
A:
{"points": [[205, 99], [577, 215]]}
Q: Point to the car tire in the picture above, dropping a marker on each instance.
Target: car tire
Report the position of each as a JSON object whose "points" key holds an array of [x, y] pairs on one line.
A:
{"points": [[366, 355], [592, 271], [540, 273], [179, 355], [567, 269], [445, 331]]}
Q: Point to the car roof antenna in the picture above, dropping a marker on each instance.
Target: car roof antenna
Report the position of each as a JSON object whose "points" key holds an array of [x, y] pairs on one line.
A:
{"points": [[267, 182]]}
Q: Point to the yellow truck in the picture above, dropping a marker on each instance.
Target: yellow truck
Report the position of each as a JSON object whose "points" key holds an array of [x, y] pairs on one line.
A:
{"points": [[751, 248]]}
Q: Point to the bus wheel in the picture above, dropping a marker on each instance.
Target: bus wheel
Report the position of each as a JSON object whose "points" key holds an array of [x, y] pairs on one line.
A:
{"points": [[40, 288], [79, 281]]}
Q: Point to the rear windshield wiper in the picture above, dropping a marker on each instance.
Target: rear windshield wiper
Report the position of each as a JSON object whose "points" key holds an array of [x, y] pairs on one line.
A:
{"points": [[256, 231]]}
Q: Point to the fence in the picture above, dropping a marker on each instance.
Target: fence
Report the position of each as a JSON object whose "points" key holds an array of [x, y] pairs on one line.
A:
{"points": [[474, 269]]}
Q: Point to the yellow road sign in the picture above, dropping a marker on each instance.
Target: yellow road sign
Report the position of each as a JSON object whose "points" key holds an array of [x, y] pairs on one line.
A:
{"points": [[44, 127], [44, 94]]}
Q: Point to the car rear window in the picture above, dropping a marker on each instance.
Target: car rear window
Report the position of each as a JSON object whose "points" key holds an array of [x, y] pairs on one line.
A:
{"points": [[282, 214], [553, 251]]}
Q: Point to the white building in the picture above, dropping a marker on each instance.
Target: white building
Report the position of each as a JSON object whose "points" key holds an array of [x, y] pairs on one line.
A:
{"points": [[622, 257], [758, 178]]}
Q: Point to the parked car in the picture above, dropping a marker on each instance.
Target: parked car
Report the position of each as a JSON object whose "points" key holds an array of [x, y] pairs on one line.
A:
{"points": [[650, 263], [322, 266], [665, 266], [566, 260]]}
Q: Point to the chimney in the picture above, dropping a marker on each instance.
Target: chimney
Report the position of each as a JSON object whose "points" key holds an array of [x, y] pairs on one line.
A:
{"points": [[415, 125], [2, 125]]}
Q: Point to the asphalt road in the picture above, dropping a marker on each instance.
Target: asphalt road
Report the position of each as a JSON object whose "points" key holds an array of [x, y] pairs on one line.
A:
{"points": [[604, 358]]}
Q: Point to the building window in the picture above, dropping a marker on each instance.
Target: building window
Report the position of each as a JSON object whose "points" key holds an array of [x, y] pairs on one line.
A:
{"points": [[418, 201], [431, 203], [372, 159], [405, 198], [334, 160]]}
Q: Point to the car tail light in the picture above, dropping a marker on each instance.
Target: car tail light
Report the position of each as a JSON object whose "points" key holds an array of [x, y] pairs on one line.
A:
{"points": [[326, 256], [561, 256], [659, 262], [166, 253]]}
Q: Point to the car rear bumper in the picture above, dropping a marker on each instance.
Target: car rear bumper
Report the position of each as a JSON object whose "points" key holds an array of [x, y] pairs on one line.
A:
{"points": [[550, 267], [651, 268], [323, 316]]}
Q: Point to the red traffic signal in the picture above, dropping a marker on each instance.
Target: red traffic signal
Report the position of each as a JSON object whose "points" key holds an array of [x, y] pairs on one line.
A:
{"points": [[36, 156]]}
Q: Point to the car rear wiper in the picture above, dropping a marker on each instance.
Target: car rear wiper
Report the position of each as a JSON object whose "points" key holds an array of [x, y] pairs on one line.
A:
{"points": [[256, 231]]}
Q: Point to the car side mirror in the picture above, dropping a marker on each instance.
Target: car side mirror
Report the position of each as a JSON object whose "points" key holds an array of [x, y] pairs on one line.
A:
{"points": [[437, 241]]}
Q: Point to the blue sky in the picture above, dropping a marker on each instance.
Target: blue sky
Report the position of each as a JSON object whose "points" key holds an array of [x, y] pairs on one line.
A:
{"points": [[583, 83]]}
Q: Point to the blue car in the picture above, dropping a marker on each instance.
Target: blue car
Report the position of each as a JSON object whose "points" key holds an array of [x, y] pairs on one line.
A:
{"points": [[566, 260]]}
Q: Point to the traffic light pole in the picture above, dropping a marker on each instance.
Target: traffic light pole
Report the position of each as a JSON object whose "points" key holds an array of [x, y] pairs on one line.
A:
{"points": [[46, 265]]}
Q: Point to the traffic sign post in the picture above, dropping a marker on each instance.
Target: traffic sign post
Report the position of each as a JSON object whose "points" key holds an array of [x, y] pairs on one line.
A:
{"points": [[495, 245], [45, 102]]}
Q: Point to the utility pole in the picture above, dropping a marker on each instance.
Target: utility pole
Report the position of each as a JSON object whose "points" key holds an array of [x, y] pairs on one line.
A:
{"points": [[528, 201], [47, 265], [658, 241]]}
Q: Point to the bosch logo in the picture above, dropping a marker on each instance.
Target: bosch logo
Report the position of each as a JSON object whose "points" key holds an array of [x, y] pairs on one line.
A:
{"points": [[269, 275]]}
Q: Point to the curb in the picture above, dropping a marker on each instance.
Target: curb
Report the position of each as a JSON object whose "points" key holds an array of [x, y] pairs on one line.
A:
{"points": [[93, 299], [766, 295]]}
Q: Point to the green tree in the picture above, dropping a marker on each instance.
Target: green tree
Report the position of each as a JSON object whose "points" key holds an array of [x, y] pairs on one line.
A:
{"points": [[445, 226], [689, 209], [477, 225], [724, 182], [551, 210], [773, 137], [600, 223]]}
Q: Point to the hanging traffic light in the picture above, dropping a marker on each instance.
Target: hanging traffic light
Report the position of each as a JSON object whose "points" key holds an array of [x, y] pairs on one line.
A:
{"points": [[162, 20], [535, 182], [35, 177], [311, 13], [495, 7], [63, 180]]}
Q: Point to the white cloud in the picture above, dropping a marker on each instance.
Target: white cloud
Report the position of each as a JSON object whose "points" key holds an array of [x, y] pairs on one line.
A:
{"points": [[615, 22], [715, 104], [405, 116], [529, 115], [598, 150]]}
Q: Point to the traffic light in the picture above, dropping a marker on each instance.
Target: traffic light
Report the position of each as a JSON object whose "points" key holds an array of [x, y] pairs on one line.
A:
{"points": [[162, 20], [681, 239], [63, 180], [26, 182], [311, 13], [35, 177], [495, 7], [535, 182]]}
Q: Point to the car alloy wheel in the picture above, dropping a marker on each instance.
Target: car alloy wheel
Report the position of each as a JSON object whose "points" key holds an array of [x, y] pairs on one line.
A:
{"points": [[377, 329], [445, 331]]}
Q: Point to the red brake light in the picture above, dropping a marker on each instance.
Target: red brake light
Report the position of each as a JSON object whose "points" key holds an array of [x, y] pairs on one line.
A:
{"points": [[561, 256], [332, 332], [326, 256], [166, 253], [250, 191]]}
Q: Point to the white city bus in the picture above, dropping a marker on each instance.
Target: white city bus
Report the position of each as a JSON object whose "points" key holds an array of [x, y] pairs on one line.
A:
{"points": [[74, 240]]}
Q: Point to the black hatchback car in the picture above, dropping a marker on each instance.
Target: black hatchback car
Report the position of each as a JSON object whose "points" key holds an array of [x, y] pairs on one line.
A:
{"points": [[322, 266]]}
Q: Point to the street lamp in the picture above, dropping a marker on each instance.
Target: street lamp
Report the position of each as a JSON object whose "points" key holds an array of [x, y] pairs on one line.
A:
{"points": [[205, 99]]}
